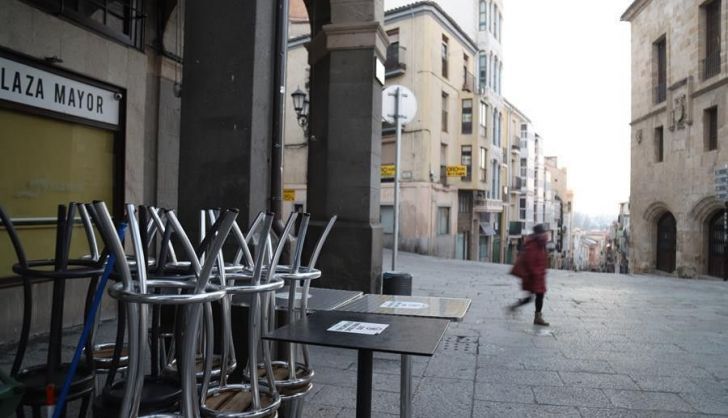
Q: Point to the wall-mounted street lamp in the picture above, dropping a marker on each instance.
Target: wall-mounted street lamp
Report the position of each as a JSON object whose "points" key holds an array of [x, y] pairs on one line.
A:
{"points": [[300, 105]]}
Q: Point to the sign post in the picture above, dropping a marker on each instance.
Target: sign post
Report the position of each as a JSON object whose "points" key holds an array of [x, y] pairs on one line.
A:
{"points": [[400, 111], [721, 190], [399, 106]]}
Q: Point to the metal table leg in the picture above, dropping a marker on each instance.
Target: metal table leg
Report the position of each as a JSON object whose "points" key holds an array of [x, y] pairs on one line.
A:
{"points": [[405, 387], [364, 384]]}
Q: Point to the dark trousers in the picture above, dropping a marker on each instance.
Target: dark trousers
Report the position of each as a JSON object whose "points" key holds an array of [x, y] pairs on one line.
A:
{"points": [[539, 301]]}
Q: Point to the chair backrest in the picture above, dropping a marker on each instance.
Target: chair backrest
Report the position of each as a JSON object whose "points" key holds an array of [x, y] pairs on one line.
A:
{"points": [[320, 244], [14, 239]]}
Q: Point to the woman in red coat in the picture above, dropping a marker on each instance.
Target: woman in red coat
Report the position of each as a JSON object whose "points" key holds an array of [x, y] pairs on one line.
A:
{"points": [[530, 266]]}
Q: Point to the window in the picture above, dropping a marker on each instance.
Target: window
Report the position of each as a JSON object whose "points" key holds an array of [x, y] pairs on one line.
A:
{"points": [[493, 193], [482, 70], [711, 60], [443, 221], [659, 145], [444, 111], [500, 77], [482, 164], [483, 16], [465, 201], [496, 140], [466, 159], [660, 57], [467, 116], [710, 128], [495, 21], [500, 27], [524, 168], [393, 51], [468, 81], [386, 218], [122, 20], [522, 208], [482, 119], [443, 164], [524, 130], [444, 53]]}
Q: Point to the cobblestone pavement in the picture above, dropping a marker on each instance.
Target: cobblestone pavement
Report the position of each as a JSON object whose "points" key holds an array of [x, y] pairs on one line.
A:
{"points": [[618, 346]]}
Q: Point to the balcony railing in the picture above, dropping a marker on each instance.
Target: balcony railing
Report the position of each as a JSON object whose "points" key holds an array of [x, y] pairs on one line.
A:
{"points": [[711, 64], [469, 82], [660, 93], [395, 64]]}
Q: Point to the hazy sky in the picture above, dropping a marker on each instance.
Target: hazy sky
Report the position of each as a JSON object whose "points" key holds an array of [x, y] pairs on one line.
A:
{"points": [[567, 67]]}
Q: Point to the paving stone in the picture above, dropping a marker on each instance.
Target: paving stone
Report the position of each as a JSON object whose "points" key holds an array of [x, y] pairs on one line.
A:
{"points": [[598, 380], [707, 403], [504, 393], [629, 413], [440, 397], [678, 384], [320, 411], [451, 368], [518, 377], [570, 396], [501, 409], [657, 401], [570, 365]]}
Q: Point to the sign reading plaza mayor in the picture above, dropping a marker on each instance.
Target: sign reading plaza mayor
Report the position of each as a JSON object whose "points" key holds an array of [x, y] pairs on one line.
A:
{"points": [[20, 83]]}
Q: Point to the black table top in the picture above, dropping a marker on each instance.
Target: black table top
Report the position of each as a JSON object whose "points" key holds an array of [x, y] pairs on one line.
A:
{"points": [[404, 335], [453, 309], [319, 298]]}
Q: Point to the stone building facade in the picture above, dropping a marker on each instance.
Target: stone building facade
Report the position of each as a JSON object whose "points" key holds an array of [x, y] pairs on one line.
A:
{"points": [[679, 134]]}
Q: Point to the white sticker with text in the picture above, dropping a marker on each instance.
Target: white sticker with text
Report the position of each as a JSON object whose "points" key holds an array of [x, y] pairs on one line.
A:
{"points": [[353, 327], [395, 304]]}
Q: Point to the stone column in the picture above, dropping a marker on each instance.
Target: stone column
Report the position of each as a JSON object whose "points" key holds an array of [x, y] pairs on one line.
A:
{"points": [[345, 146], [227, 95]]}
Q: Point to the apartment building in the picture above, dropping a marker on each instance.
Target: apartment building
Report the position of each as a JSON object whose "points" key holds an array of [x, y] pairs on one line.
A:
{"points": [[679, 135]]}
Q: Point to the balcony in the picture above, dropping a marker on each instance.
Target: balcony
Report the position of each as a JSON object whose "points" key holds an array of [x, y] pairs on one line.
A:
{"points": [[395, 65], [711, 64], [469, 82], [516, 147], [517, 184]]}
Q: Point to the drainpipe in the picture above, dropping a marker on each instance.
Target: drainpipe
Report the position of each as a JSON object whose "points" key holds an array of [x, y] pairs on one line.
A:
{"points": [[279, 101]]}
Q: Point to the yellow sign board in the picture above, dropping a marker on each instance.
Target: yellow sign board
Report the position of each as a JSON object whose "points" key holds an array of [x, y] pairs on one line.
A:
{"points": [[289, 195], [387, 170], [457, 171]]}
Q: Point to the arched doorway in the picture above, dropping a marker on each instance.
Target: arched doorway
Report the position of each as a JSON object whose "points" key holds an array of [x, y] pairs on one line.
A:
{"points": [[666, 242], [716, 245]]}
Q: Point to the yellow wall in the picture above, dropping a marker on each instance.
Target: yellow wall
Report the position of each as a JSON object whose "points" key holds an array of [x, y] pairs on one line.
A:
{"points": [[44, 163]]}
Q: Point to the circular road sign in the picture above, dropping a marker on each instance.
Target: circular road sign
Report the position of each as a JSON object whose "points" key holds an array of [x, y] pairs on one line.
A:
{"points": [[407, 104]]}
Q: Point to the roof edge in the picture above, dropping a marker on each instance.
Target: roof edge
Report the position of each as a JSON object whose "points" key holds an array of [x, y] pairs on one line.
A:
{"points": [[633, 10]]}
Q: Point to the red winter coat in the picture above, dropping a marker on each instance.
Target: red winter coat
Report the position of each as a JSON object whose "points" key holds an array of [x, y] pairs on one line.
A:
{"points": [[531, 265]]}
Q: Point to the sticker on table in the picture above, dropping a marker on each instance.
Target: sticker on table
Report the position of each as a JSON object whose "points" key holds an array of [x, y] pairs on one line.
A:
{"points": [[396, 304], [353, 327]]}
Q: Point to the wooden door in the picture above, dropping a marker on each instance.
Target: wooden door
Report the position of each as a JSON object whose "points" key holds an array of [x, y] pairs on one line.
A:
{"points": [[716, 242], [666, 243]]}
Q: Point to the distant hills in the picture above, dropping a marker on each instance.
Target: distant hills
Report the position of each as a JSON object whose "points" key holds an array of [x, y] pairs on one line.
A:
{"points": [[585, 221]]}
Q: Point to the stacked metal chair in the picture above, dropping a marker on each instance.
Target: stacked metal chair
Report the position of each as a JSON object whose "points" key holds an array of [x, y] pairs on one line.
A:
{"points": [[39, 379], [137, 292], [255, 282], [293, 377]]}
